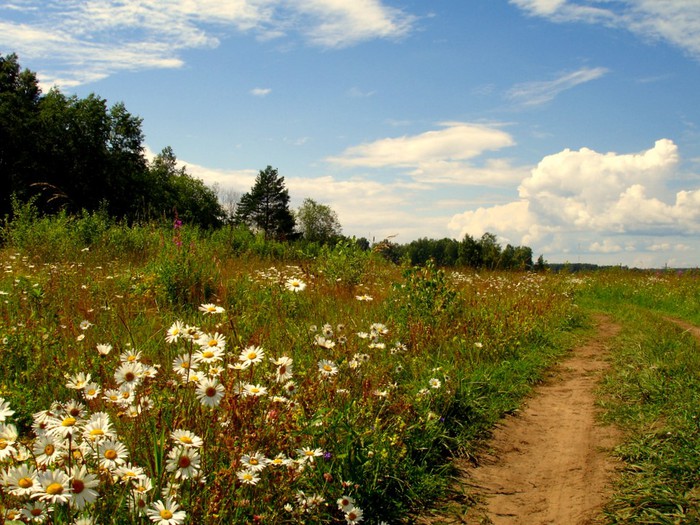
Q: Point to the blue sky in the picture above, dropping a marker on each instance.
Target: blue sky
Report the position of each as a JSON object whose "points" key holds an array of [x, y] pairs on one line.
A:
{"points": [[570, 126]]}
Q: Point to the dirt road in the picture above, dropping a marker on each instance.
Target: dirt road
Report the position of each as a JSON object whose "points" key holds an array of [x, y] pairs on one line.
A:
{"points": [[549, 464]]}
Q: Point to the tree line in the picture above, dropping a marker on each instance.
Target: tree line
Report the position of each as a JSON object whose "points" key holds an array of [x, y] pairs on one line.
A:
{"points": [[70, 154]]}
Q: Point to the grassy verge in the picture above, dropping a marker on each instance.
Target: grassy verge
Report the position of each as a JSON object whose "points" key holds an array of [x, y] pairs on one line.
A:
{"points": [[652, 393]]}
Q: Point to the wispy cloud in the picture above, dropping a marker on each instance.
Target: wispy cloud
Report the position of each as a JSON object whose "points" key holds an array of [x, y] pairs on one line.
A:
{"points": [[540, 92], [85, 41], [260, 92], [674, 21]]}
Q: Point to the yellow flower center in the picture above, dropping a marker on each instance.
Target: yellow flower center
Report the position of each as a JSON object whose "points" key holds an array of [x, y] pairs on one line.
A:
{"points": [[68, 422], [54, 488], [253, 461], [213, 342], [252, 355], [166, 514], [97, 432], [328, 368], [25, 483], [111, 454], [185, 364], [131, 358], [3, 444], [49, 450], [208, 354], [186, 439]]}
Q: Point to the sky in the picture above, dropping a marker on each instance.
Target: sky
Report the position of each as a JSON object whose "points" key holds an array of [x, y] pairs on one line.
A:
{"points": [[570, 126]]}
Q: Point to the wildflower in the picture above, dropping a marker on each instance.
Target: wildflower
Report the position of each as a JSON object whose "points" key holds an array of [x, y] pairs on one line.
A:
{"points": [[184, 462], [8, 438], [251, 355], [186, 438], [166, 513], [98, 428], [354, 516], [84, 325], [345, 503], [248, 477], [378, 329], [208, 341], [284, 368], [208, 355], [130, 356], [104, 349], [255, 461], [36, 512], [280, 460], [254, 390], [290, 387], [46, 450], [323, 342], [435, 383], [91, 391], [308, 454], [82, 486], [327, 330], [364, 297], [174, 332], [55, 487], [80, 337], [210, 391], [129, 473], [182, 364], [64, 426], [21, 481], [129, 374], [78, 381], [295, 285], [111, 453], [210, 309], [327, 368]]}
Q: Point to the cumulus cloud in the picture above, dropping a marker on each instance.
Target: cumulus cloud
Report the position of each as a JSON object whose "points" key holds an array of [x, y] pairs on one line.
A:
{"points": [[439, 156], [674, 21], [260, 92], [538, 93], [85, 41], [577, 195]]}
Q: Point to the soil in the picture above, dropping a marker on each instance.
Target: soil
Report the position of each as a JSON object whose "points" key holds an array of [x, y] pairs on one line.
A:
{"points": [[550, 463]]}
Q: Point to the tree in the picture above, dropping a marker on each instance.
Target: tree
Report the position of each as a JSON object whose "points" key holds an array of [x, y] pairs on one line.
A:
{"points": [[317, 222], [265, 207]]}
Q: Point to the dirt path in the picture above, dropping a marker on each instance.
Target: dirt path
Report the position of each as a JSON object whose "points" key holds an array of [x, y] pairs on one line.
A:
{"points": [[550, 463]]}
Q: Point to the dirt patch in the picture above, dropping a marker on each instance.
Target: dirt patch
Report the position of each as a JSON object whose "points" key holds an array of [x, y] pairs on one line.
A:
{"points": [[550, 463]]}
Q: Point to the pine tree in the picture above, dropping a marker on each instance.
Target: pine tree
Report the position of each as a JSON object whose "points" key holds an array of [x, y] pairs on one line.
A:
{"points": [[265, 207]]}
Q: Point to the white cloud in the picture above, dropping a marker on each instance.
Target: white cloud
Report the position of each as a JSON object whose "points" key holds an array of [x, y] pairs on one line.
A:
{"points": [[537, 93], [260, 92], [84, 41], [674, 21], [597, 200], [439, 156]]}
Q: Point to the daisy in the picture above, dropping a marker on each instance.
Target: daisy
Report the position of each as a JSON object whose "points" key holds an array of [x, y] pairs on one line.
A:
{"points": [[379, 328], [290, 387], [255, 461], [166, 513], [85, 324], [186, 438], [208, 355], [364, 297], [327, 368], [182, 364], [323, 342], [5, 411], [8, 438], [104, 349], [130, 356], [210, 309], [434, 383], [111, 453], [210, 392], [248, 477], [209, 341], [308, 454], [75, 409], [112, 395], [91, 391], [129, 473], [174, 332], [55, 487], [46, 450], [82, 486], [21, 481], [354, 516], [345, 503], [78, 381], [252, 355], [295, 285], [280, 460], [254, 390], [129, 374], [99, 427], [184, 462], [36, 512], [63, 426]]}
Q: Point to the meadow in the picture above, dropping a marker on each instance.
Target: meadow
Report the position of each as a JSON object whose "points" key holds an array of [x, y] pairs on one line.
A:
{"points": [[163, 374]]}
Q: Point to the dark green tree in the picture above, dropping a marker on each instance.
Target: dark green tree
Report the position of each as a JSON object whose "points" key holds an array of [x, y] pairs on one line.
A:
{"points": [[265, 208], [317, 222]]}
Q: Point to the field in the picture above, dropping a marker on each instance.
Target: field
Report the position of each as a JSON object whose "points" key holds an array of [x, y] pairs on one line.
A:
{"points": [[167, 375]]}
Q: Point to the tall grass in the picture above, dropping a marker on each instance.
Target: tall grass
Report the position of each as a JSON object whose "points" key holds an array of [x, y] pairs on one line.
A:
{"points": [[324, 387]]}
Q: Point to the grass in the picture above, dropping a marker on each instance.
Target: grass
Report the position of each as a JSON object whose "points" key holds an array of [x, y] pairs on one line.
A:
{"points": [[324, 385]]}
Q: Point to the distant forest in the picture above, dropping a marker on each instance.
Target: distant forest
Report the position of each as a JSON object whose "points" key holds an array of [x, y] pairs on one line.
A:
{"points": [[78, 155]]}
